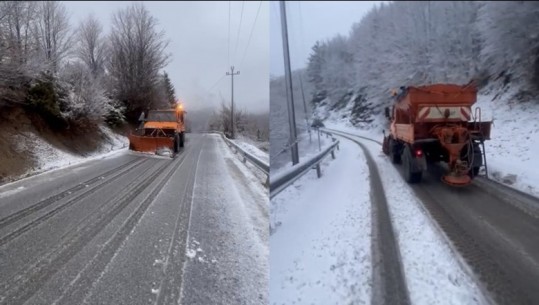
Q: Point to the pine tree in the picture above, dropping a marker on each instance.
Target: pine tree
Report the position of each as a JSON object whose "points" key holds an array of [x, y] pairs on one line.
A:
{"points": [[169, 90]]}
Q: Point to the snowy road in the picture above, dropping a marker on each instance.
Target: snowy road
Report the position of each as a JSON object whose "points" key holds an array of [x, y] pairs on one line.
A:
{"points": [[493, 228], [133, 229]]}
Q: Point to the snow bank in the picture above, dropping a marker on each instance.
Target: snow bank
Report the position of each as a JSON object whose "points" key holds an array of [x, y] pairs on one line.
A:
{"points": [[320, 240], [49, 157], [307, 149], [512, 151], [252, 149]]}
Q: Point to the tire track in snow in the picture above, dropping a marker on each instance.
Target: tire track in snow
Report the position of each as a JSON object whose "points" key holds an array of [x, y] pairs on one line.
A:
{"points": [[43, 204], [389, 284], [79, 289], [169, 291], [54, 198], [27, 283], [501, 275]]}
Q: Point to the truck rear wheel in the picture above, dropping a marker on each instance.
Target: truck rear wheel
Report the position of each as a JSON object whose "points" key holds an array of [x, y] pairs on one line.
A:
{"points": [[409, 175], [474, 158], [181, 139], [474, 171], [394, 154], [176, 144]]}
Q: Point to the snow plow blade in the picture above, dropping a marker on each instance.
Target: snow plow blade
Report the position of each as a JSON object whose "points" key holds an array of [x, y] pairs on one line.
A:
{"points": [[150, 144]]}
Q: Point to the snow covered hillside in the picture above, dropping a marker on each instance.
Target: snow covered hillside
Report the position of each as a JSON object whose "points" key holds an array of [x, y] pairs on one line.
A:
{"points": [[409, 43], [416, 43], [45, 156]]}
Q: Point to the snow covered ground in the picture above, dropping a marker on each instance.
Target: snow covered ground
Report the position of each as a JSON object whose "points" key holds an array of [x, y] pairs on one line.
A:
{"points": [[51, 158], [320, 242], [228, 242], [252, 149], [433, 273], [313, 225], [514, 145], [307, 148], [316, 224]]}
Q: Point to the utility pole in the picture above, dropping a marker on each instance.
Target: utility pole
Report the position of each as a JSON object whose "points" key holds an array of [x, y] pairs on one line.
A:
{"points": [[289, 92], [232, 100], [305, 107]]}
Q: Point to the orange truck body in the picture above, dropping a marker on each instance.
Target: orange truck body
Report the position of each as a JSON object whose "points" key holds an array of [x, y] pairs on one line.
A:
{"points": [[435, 123], [161, 129]]}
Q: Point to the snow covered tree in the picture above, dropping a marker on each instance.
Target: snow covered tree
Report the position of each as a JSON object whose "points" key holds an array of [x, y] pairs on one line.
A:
{"points": [[137, 55], [169, 90], [398, 44], [87, 96], [53, 32], [314, 67], [510, 33], [19, 62], [91, 45]]}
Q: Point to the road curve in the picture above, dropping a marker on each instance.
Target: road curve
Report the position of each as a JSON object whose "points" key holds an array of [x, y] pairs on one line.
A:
{"points": [[493, 227]]}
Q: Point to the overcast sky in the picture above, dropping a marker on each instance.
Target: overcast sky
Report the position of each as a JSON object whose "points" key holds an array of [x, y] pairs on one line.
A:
{"points": [[199, 45], [309, 21]]}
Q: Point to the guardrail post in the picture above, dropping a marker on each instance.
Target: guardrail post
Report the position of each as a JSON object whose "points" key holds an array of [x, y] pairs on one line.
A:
{"points": [[333, 153], [318, 171], [244, 158]]}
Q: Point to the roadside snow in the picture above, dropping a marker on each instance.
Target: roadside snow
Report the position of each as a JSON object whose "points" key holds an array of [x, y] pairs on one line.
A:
{"points": [[433, 273], [307, 146], [261, 146], [253, 150], [307, 150], [512, 150], [320, 240], [253, 197], [50, 158]]}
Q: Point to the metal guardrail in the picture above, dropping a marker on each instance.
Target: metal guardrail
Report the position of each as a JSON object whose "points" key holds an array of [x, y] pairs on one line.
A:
{"points": [[264, 167], [248, 157], [282, 180]]}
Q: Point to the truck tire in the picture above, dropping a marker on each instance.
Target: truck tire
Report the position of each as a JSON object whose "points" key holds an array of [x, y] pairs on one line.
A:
{"points": [[181, 139], [393, 152], [476, 162], [176, 144], [409, 175]]}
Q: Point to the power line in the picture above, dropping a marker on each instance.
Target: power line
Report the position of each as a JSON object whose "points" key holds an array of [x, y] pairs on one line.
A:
{"points": [[251, 34], [239, 28], [215, 84], [229, 33]]}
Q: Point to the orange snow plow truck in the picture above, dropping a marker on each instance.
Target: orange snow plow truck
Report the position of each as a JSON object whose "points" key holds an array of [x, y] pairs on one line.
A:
{"points": [[435, 123], [161, 131]]}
